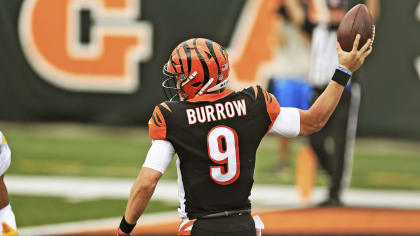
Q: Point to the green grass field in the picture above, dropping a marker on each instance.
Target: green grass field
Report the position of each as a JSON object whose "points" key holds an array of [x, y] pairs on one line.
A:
{"points": [[79, 150], [39, 210]]}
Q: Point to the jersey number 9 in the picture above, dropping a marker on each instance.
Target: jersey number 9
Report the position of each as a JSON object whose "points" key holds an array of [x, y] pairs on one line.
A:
{"points": [[222, 146]]}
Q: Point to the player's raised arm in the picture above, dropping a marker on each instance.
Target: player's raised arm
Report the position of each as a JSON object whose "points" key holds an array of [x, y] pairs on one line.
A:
{"points": [[317, 116]]}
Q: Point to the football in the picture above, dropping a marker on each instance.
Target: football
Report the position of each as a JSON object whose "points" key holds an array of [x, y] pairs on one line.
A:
{"points": [[356, 21]]}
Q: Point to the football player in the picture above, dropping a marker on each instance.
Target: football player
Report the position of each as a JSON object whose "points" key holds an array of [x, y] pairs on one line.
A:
{"points": [[7, 218], [216, 132]]}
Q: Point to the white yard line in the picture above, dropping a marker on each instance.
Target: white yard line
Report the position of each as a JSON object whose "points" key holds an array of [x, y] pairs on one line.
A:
{"points": [[107, 224], [263, 196], [80, 188], [95, 225]]}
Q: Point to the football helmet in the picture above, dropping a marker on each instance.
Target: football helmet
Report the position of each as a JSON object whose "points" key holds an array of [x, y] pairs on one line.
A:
{"points": [[195, 67]]}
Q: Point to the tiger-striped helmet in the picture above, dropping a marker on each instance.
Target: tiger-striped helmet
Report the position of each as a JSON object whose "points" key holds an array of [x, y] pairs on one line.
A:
{"points": [[195, 67]]}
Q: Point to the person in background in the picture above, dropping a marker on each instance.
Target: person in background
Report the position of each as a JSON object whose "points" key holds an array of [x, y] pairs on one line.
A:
{"points": [[323, 19], [288, 83], [7, 218]]}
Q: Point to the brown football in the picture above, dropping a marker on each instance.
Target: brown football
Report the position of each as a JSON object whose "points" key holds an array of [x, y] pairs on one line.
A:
{"points": [[356, 21]]}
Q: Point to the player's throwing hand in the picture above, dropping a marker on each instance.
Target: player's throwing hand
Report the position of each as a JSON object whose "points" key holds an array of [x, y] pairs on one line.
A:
{"points": [[354, 59]]}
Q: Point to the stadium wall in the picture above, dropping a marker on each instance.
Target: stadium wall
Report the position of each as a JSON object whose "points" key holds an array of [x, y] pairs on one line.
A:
{"points": [[100, 61]]}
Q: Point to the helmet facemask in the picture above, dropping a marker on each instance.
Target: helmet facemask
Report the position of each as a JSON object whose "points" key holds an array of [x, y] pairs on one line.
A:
{"points": [[174, 82], [171, 85]]}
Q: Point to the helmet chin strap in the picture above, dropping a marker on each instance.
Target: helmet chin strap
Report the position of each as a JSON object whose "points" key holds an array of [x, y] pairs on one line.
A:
{"points": [[182, 96], [203, 89], [191, 77], [205, 86], [219, 86]]}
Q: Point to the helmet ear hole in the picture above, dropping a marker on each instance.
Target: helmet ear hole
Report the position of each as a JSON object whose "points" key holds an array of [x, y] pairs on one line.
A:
{"points": [[196, 84]]}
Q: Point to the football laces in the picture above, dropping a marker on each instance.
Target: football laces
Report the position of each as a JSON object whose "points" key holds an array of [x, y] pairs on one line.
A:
{"points": [[373, 35]]}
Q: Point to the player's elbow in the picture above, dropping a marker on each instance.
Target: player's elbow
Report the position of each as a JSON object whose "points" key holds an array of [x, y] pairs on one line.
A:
{"points": [[317, 126], [146, 182], [311, 128], [310, 123], [148, 185], [142, 191]]}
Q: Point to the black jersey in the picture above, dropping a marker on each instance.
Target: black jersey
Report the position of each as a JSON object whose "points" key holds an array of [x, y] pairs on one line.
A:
{"points": [[216, 137]]}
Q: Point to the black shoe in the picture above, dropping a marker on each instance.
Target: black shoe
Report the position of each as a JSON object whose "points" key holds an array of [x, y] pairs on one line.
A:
{"points": [[331, 202]]}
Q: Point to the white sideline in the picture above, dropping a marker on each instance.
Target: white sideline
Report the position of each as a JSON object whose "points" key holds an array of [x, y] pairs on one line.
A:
{"points": [[103, 224], [271, 196], [94, 225], [80, 188]]}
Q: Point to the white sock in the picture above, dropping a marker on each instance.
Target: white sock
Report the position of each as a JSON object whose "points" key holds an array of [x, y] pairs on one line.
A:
{"points": [[6, 215]]}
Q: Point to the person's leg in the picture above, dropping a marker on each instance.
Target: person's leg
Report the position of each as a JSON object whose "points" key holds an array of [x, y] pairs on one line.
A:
{"points": [[6, 213], [284, 152], [351, 133], [340, 139], [344, 136], [7, 218], [283, 160], [318, 140], [4, 198]]}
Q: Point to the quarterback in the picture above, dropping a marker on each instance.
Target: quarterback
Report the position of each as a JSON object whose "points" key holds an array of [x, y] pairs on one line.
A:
{"points": [[216, 132], [7, 218]]}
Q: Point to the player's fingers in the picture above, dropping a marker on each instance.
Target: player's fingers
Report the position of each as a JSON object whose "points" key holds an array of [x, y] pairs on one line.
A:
{"points": [[365, 54], [366, 46], [356, 42], [373, 33], [338, 47]]}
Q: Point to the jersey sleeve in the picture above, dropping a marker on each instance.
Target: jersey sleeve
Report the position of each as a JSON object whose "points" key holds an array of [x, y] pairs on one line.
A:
{"points": [[160, 155], [157, 125], [287, 123], [271, 104], [5, 155]]}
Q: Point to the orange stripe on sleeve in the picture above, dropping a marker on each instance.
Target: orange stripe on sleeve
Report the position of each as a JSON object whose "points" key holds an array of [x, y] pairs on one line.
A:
{"points": [[272, 106], [255, 91], [157, 125], [166, 106]]}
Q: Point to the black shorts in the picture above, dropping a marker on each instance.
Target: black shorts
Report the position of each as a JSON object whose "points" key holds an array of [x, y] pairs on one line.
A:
{"points": [[242, 225]]}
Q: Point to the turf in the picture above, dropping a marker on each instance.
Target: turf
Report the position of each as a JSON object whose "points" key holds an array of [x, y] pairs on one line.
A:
{"points": [[77, 150], [377, 164], [40, 210]]}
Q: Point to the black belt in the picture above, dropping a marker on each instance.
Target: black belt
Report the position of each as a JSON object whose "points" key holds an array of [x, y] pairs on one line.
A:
{"points": [[221, 214]]}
